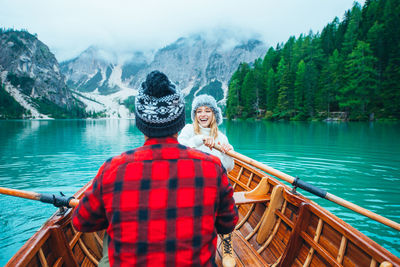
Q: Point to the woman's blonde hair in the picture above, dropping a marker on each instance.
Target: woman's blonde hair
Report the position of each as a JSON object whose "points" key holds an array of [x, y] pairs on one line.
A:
{"points": [[213, 126]]}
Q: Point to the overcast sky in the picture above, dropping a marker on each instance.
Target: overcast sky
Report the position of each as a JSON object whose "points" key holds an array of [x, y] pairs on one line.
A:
{"points": [[70, 26]]}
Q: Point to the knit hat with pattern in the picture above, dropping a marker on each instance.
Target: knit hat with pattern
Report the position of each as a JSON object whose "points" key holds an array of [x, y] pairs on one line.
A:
{"points": [[208, 101], [159, 107]]}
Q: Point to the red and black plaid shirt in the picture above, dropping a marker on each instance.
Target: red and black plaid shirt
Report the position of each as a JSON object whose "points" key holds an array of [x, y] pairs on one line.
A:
{"points": [[162, 205]]}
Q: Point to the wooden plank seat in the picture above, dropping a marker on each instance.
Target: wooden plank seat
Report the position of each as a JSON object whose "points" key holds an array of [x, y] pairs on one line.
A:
{"points": [[258, 194]]}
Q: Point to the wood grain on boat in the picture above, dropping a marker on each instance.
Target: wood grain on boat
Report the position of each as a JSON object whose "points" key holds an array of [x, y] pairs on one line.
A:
{"points": [[277, 227]]}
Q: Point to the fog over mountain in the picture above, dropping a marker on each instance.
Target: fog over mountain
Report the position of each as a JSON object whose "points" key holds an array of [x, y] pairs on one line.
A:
{"points": [[200, 63], [102, 82]]}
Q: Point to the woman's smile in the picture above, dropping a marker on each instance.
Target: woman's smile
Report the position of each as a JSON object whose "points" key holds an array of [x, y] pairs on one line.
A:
{"points": [[204, 116]]}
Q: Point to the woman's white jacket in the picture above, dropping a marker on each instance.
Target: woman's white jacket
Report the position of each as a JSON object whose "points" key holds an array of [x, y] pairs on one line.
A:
{"points": [[188, 138]]}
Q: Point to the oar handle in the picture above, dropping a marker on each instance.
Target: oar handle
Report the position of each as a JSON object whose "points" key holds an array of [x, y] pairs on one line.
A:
{"points": [[58, 201], [312, 189], [73, 202]]}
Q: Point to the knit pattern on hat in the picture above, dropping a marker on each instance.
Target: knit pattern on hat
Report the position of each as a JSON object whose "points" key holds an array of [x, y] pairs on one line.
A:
{"points": [[208, 101], [159, 107], [159, 110]]}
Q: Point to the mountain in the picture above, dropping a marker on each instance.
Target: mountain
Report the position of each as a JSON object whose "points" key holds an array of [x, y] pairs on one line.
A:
{"points": [[196, 64], [31, 81]]}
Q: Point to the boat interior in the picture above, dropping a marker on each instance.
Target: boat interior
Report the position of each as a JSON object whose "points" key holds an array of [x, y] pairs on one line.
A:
{"points": [[277, 227]]}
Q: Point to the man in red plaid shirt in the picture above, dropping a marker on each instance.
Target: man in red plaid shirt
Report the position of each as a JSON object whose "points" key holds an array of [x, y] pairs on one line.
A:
{"points": [[162, 204]]}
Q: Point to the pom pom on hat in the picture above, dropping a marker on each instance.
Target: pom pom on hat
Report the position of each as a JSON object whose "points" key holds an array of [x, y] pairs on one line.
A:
{"points": [[157, 85]]}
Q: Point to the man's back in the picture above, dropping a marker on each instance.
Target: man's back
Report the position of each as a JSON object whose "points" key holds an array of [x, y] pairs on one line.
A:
{"points": [[162, 204]]}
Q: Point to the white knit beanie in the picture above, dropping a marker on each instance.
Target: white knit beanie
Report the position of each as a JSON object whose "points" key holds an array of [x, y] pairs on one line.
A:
{"points": [[208, 101]]}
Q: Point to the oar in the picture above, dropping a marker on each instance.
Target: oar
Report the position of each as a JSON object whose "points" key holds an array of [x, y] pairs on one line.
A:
{"points": [[312, 189], [58, 201]]}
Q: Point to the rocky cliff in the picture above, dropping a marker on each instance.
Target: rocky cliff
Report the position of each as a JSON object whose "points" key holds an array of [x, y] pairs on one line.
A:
{"points": [[31, 75]]}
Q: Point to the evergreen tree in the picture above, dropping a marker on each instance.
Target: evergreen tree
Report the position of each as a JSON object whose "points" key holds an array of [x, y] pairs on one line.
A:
{"points": [[341, 31], [374, 38], [330, 83], [361, 81], [390, 94], [391, 76], [234, 101], [260, 76], [271, 60], [328, 37], [284, 85], [350, 37], [287, 52], [271, 91], [311, 87], [9, 107], [299, 50], [299, 90], [249, 95], [368, 18], [233, 104]]}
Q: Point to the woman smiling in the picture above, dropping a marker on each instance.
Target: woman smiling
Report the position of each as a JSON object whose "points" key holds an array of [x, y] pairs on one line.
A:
{"points": [[204, 133]]}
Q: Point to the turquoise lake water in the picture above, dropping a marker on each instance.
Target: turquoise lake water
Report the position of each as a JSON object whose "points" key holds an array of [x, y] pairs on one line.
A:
{"points": [[359, 162]]}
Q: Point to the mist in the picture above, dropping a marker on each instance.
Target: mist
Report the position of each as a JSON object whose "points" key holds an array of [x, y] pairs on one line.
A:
{"points": [[122, 26]]}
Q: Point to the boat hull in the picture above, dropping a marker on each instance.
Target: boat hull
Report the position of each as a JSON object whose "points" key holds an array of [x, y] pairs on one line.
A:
{"points": [[277, 227]]}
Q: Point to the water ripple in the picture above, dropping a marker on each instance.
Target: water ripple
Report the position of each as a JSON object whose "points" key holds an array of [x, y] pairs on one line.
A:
{"points": [[353, 161]]}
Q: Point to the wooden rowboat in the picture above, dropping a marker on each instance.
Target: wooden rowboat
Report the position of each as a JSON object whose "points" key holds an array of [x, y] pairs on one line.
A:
{"points": [[277, 227]]}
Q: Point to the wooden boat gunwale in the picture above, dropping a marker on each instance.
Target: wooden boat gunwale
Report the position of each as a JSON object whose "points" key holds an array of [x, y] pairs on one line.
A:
{"points": [[34, 244]]}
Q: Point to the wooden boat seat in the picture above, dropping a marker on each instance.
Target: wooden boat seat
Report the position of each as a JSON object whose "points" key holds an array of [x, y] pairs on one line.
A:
{"points": [[258, 194]]}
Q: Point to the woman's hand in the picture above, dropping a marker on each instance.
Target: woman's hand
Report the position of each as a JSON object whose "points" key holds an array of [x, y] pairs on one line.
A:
{"points": [[209, 141], [225, 147]]}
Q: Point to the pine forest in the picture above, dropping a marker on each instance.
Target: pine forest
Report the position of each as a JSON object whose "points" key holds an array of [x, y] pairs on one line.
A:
{"points": [[349, 71]]}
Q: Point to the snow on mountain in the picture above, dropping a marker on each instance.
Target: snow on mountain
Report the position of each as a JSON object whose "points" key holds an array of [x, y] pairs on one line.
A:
{"points": [[196, 64], [111, 106]]}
